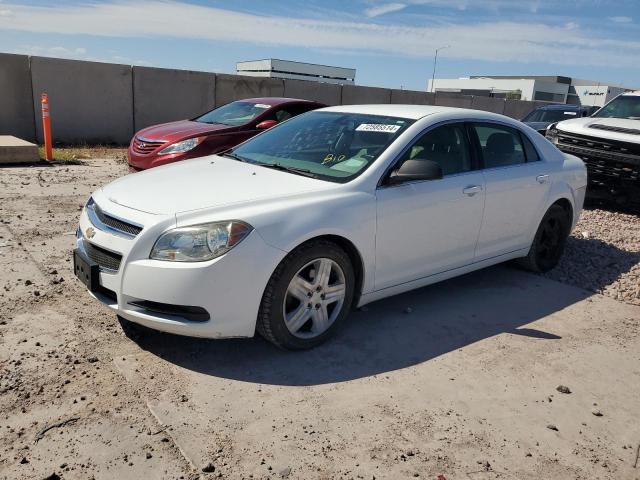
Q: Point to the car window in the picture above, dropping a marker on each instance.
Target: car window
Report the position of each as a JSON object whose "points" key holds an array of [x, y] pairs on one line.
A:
{"points": [[282, 115], [235, 113], [500, 146], [447, 145], [550, 116], [334, 146], [529, 149], [623, 106]]}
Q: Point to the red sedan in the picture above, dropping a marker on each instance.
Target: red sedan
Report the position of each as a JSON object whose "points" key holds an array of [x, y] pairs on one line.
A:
{"points": [[215, 131]]}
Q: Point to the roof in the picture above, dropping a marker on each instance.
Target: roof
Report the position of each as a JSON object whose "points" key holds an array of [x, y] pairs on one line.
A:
{"points": [[413, 112], [565, 107], [295, 62], [546, 78], [275, 100]]}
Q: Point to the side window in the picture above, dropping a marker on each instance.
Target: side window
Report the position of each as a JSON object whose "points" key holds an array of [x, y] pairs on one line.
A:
{"points": [[282, 115], [447, 145], [500, 146], [285, 113], [529, 149]]}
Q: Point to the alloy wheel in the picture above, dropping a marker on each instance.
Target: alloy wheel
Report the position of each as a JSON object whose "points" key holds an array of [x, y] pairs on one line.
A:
{"points": [[314, 298]]}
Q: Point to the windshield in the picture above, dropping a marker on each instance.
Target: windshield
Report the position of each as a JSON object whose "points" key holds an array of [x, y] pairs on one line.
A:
{"points": [[235, 113], [624, 106], [329, 145], [549, 116]]}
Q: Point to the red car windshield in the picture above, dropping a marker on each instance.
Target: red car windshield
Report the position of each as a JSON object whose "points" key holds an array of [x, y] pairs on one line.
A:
{"points": [[234, 114]]}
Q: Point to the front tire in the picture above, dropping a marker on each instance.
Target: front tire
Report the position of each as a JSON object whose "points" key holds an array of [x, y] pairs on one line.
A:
{"points": [[307, 297], [549, 242]]}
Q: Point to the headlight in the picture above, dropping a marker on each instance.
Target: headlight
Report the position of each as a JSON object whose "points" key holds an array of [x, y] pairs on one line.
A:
{"points": [[199, 243], [552, 133], [183, 146]]}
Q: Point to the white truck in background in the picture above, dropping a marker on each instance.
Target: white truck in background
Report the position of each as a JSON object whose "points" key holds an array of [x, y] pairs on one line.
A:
{"points": [[609, 144]]}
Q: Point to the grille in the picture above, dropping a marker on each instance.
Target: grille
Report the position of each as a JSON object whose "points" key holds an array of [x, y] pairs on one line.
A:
{"points": [[145, 146], [601, 170], [632, 131], [104, 258], [195, 314], [582, 145], [116, 224], [609, 163]]}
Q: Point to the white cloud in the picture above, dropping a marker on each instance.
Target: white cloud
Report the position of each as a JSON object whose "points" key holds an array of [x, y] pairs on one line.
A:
{"points": [[58, 52], [621, 19], [489, 41], [384, 9]]}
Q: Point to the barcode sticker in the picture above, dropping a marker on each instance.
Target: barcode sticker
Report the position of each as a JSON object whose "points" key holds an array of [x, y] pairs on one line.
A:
{"points": [[569, 113], [377, 127]]}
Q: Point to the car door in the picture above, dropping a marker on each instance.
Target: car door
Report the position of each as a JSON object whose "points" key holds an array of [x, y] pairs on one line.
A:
{"points": [[517, 184], [427, 227]]}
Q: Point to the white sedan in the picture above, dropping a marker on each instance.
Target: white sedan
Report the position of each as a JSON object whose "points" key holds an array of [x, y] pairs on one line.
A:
{"points": [[333, 209]]}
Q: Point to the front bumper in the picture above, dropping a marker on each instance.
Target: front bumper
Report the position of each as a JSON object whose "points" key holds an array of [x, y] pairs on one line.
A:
{"points": [[229, 287]]}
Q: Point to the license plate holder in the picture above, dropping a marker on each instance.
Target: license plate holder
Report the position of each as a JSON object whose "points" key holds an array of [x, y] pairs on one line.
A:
{"points": [[88, 272]]}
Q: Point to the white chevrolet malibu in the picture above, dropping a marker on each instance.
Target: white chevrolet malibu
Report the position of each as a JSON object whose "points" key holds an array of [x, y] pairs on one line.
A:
{"points": [[333, 209]]}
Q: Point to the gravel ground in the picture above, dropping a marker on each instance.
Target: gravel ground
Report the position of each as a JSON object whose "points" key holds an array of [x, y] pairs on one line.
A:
{"points": [[417, 385], [603, 255]]}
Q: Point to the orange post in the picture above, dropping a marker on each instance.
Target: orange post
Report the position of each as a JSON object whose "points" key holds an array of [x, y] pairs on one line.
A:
{"points": [[46, 126]]}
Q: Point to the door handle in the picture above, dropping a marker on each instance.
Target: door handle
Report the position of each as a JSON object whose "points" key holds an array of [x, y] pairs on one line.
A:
{"points": [[472, 190], [542, 178]]}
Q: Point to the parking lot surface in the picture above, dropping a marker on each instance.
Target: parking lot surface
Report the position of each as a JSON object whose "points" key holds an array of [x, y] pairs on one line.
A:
{"points": [[457, 379]]}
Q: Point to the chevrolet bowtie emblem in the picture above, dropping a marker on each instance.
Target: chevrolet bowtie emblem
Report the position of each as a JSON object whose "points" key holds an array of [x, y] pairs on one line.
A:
{"points": [[90, 232]]}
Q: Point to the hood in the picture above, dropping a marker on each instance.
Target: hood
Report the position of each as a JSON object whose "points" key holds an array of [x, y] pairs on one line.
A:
{"points": [[205, 182], [621, 129], [184, 128], [538, 125]]}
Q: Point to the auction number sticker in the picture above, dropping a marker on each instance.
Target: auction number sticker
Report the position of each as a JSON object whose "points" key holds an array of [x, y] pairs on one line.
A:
{"points": [[377, 127], [262, 105]]}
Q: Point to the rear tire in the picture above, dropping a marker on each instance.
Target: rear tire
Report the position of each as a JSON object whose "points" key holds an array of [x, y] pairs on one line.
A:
{"points": [[549, 242], [307, 297]]}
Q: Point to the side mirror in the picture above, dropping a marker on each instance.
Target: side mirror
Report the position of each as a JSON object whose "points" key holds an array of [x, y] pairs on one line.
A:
{"points": [[415, 170], [266, 124]]}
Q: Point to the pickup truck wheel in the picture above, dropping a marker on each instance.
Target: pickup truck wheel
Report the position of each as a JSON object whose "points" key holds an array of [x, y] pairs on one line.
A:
{"points": [[307, 297], [549, 242]]}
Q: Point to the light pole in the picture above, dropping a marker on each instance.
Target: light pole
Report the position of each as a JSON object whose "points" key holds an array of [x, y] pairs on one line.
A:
{"points": [[435, 61]]}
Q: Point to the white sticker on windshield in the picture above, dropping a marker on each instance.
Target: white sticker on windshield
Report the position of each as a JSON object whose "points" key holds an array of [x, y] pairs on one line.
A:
{"points": [[377, 127], [569, 113], [262, 105]]}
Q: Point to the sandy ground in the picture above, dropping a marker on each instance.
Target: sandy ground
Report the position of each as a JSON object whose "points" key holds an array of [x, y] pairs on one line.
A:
{"points": [[458, 379]]}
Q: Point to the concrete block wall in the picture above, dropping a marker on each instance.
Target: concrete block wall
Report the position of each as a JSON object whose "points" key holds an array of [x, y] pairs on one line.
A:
{"points": [[320, 92], [412, 97], [100, 103], [518, 108], [237, 87], [163, 95], [453, 100], [488, 104], [16, 98], [354, 95], [89, 102]]}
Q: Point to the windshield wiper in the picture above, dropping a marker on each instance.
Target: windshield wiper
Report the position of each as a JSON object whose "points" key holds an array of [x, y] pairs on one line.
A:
{"points": [[298, 171], [234, 156]]}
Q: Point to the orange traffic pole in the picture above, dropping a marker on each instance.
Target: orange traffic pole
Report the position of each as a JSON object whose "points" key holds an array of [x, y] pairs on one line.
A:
{"points": [[46, 126]]}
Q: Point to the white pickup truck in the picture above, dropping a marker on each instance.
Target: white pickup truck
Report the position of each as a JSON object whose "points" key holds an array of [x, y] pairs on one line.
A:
{"points": [[609, 144]]}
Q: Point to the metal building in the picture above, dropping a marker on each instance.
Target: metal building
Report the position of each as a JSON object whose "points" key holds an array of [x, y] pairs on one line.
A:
{"points": [[555, 89], [275, 68]]}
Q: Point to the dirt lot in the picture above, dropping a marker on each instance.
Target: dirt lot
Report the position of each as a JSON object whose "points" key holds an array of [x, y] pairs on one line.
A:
{"points": [[458, 379]]}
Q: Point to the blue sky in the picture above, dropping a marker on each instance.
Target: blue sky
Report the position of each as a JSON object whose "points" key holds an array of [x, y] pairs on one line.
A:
{"points": [[390, 43]]}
